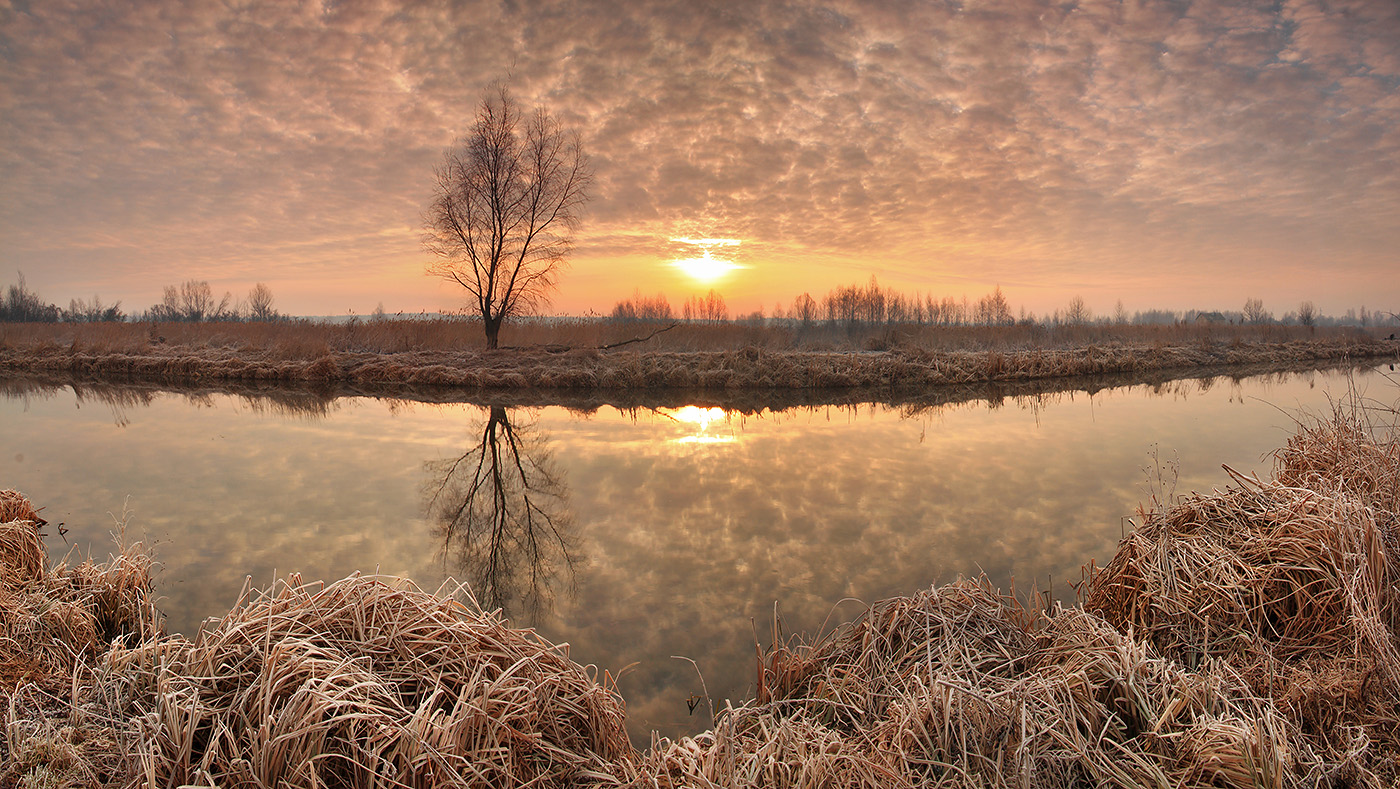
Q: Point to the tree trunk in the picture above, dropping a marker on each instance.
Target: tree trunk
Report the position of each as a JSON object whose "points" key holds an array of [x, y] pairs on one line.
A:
{"points": [[493, 332]]}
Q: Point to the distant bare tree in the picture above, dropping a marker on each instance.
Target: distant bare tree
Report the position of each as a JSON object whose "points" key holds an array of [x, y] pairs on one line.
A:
{"points": [[1077, 312], [507, 198], [994, 310], [1120, 313], [1307, 314], [80, 311], [20, 304], [710, 308], [804, 309], [1254, 311], [260, 303], [642, 308], [193, 301]]}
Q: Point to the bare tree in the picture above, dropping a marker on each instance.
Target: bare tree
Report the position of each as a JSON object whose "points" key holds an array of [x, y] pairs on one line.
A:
{"points": [[641, 308], [1254, 311], [804, 309], [260, 303], [1077, 312], [506, 202], [1307, 313], [20, 304], [193, 300], [81, 311]]}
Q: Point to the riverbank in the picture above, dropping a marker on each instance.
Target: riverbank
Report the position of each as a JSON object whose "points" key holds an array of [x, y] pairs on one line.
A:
{"points": [[316, 399], [1243, 638], [751, 367]]}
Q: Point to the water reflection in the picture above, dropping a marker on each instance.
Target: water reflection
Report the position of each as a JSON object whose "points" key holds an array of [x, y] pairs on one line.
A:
{"points": [[502, 517], [698, 512], [703, 425]]}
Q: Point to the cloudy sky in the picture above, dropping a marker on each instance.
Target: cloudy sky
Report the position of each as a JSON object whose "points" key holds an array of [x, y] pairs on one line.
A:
{"points": [[1174, 154]]}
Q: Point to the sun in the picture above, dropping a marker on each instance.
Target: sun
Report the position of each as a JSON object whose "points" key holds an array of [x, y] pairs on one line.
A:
{"points": [[706, 268]]}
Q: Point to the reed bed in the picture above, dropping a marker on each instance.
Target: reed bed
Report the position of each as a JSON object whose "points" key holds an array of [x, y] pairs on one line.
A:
{"points": [[55, 622], [370, 682], [962, 687], [749, 367], [1293, 581]]}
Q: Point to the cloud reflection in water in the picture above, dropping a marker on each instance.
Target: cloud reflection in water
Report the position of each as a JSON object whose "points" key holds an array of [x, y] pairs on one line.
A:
{"points": [[691, 547]]}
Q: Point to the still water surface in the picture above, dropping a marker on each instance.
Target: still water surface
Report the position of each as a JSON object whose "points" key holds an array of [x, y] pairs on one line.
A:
{"points": [[635, 535]]}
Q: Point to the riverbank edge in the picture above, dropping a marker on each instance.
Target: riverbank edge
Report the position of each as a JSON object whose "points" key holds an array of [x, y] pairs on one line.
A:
{"points": [[749, 368], [315, 398]]}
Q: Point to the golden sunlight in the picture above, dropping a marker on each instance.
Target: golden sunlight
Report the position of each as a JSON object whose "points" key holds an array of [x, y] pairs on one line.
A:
{"points": [[701, 419], [706, 268]]}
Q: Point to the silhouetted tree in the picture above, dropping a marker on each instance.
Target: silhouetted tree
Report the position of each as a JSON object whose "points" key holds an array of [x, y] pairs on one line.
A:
{"points": [[260, 304], [710, 307], [1254, 311], [80, 311], [641, 308], [507, 198], [19, 304], [1307, 314], [1077, 312], [502, 513], [804, 309], [193, 301]]}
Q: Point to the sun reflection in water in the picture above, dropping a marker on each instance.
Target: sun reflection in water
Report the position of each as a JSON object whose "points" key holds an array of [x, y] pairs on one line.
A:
{"points": [[700, 421]]}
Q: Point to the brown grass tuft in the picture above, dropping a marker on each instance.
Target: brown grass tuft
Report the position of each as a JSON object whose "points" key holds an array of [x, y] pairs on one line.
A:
{"points": [[341, 685], [961, 687], [1294, 582]]}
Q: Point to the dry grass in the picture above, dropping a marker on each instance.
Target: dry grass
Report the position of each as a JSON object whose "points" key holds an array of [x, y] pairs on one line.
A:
{"points": [[301, 339], [1247, 638], [365, 682], [1293, 581], [54, 625], [961, 687], [693, 357], [368, 682]]}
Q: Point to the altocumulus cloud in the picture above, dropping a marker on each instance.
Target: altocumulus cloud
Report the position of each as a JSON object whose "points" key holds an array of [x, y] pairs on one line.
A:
{"points": [[1013, 140]]}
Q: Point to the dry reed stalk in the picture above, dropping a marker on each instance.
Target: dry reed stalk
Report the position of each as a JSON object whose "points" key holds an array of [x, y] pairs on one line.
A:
{"points": [[962, 687], [371, 682], [1293, 581], [22, 558], [15, 507], [53, 624], [729, 358]]}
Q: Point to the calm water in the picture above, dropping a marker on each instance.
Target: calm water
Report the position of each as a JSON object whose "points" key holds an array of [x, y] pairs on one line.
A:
{"points": [[641, 534]]}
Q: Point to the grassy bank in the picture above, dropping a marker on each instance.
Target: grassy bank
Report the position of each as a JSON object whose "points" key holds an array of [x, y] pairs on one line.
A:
{"points": [[320, 398], [1244, 638], [693, 357]]}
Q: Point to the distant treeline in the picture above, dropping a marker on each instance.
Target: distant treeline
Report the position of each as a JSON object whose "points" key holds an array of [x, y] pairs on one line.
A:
{"points": [[851, 307], [864, 306], [192, 301]]}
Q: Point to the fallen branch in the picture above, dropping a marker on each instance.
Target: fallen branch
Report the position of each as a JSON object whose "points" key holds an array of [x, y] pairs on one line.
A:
{"points": [[637, 339]]}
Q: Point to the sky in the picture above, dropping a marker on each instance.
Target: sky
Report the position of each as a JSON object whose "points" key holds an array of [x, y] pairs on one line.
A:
{"points": [[1170, 154]]}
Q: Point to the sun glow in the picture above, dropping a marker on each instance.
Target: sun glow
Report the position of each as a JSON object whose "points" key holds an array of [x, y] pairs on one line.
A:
{"points": [[707, 267], [700, 420]]}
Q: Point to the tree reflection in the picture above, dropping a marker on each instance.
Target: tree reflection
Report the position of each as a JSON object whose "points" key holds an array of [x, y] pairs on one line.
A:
{"points": [[501, 510]]}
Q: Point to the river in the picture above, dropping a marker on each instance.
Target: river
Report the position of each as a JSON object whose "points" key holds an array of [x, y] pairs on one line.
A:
{"points": [[636, 533]]}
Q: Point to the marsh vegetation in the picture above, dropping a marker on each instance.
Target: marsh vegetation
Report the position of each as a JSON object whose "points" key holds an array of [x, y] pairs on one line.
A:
{"points": [[577, 356]]}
